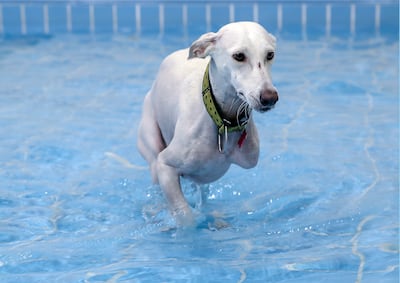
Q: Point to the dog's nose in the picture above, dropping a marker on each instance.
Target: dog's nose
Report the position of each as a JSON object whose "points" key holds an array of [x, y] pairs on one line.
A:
{"points": [[269, 97]]}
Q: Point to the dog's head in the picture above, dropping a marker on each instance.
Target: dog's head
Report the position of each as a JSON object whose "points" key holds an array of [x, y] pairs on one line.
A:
{"points": [[243, 53]]}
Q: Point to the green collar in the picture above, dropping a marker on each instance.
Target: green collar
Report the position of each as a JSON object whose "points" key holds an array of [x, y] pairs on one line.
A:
{"points": [[224, 125]]}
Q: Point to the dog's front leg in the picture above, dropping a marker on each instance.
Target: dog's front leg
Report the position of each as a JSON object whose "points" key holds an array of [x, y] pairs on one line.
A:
{"points": [[169, 181]]}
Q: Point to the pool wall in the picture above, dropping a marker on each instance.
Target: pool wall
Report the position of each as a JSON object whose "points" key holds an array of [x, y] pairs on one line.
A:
{"points": [[300, 18]]}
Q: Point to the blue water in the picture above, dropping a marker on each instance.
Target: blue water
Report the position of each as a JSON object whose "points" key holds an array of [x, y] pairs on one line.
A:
{"points": [[76, 200]]}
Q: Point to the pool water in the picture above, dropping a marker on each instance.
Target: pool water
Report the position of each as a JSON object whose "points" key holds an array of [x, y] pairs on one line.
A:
{"points": [[76, 199]]}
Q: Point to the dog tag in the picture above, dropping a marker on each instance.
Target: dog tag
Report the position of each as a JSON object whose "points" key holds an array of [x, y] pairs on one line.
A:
{"points": [[220, 146], [220, 142]]}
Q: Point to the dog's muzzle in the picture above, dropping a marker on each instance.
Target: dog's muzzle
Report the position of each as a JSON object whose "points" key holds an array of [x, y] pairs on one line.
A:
{"points": [[268, 99]]}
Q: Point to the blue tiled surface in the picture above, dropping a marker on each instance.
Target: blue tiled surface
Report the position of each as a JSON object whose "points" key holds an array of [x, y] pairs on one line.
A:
{"points": [[390, 18], [292, 18], [172, 21], [196, 16], [365, 22], [219, 16], [268, 16], [34, 19], [126, 17], [317, 20], [149, 18], [11, 19], [103, 18], [80, 18], [243, 12], [57, 18]]}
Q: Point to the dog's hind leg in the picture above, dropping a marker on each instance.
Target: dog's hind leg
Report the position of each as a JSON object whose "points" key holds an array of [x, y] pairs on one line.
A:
{"points": [[150, 141]]}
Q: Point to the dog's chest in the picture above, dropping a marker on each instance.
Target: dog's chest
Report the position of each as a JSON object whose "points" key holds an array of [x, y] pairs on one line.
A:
{"points": [[206, 164]]}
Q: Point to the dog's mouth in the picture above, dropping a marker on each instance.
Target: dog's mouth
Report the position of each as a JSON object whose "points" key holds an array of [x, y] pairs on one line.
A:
{"points": [[255, 104], [264, 109]]}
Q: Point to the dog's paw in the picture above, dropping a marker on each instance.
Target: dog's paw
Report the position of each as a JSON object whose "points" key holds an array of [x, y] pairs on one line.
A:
{"points": [[184, 217]]}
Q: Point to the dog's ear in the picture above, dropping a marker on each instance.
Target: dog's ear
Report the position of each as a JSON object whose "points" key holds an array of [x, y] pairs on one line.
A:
{"points": [[202, 47]]}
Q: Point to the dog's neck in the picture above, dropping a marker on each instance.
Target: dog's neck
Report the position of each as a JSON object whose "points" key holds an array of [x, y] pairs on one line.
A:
{"points": [[221, 108], [224, 93]]}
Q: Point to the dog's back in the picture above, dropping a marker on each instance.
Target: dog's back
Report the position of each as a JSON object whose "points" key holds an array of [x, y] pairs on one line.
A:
{"points": [[177, 91]]}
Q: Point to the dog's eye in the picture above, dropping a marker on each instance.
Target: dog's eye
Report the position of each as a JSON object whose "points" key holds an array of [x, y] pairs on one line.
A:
{"points": [[270, 56], [240, 57]]}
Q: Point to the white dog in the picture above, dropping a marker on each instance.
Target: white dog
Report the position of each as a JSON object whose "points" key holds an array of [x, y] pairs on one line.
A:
{"points": [[197, 119]]}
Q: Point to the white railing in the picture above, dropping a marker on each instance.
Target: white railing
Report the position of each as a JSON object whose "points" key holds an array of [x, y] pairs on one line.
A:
{"points": [[26, 17]]}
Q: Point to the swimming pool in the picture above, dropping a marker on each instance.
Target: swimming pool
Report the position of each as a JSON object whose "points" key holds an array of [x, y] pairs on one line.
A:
{"points": [[76, 200]]}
